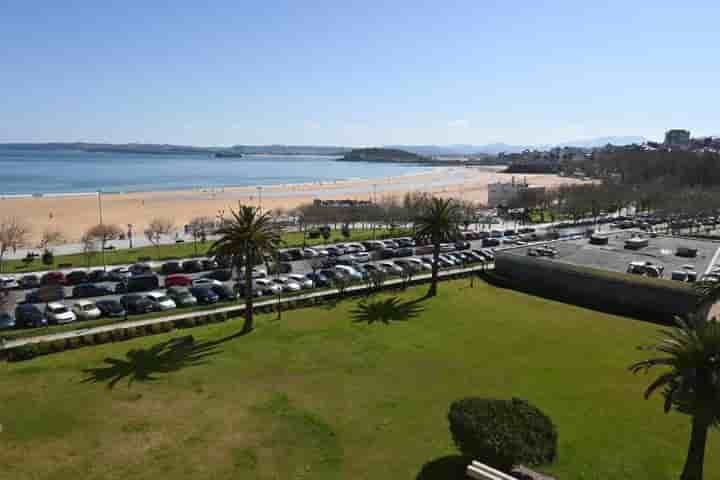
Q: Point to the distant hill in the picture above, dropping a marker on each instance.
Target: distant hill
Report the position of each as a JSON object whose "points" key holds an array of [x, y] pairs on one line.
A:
{"points": [[382, 155]]}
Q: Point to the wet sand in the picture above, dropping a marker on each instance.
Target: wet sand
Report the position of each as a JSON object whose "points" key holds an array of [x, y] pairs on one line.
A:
{"points": [[73, 214]]}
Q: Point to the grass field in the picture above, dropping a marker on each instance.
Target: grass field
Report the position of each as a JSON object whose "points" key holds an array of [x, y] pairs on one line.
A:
{"points": [[178, 251], [319, 396]]}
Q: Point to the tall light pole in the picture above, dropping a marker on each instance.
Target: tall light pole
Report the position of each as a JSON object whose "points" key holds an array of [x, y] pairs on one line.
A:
{"points": [[259, 189]]}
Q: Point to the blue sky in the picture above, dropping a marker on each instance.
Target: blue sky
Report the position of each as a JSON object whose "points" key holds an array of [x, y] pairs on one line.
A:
{"points": [[356, 73]]}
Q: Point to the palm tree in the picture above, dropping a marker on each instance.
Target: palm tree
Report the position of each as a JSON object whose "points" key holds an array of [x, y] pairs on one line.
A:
{"points": [[247, 237], [438, 222], [691, 353]]}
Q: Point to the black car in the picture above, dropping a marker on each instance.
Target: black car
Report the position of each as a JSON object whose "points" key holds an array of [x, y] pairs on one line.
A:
{"points": [[205, 294], [223, 275], [223, 261], [136, 304], [224, 292], [99, 276], [209, 264], [86, 290], [29, 281], [76, 277], [405, 252], [48, 293], [462, 245], [191, 266], [280, 267], [29, 316], [319, 280], [387, 253], [140, 269], [171, 267], [6, 321], [285, 257], [110, 308], [140, 283], [181, 296]]}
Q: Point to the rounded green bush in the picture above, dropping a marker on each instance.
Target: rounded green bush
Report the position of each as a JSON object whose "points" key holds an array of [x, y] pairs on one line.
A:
{"points": [[502, 433], [88, 340], [73, 342], [58, 345]]}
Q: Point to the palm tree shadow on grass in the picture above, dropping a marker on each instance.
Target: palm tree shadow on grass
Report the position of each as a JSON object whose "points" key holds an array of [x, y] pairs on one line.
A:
{"points": [[145, 364], [451, 467], [386, 311]]}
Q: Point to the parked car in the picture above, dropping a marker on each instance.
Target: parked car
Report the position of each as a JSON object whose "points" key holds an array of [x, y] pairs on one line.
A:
{"points": [[204, 294], [182, 296], [57, 313], [6, 321], [301, 280], [29, 281], [204, 282], [405, 252], [140, 283], [53, 278], [390, 268], [222, 275], [8, 283], [76, 277], [318, 279], [29, 316], [119, 274], [139, 269], [168, 268], [405, 242], [462, 245], [282, 267], [287, 285], [136, 304], [267, 287], [349, 271], [224, 292], [355, 247], [390, 244], [110, 308], [177, 280], [97, 276], [335, 251], [333, 275], [361, 257], [90, 290], [387, 253], [86, 310], [373, 245], [192, 266], [240, 288], [161, 302], [209, 264], [420, 264], [48, 293], [309, 252]]}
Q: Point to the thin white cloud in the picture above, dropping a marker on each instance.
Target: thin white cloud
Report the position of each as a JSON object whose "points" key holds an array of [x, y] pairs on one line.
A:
{"points": [[311, 125], [459, 123]]}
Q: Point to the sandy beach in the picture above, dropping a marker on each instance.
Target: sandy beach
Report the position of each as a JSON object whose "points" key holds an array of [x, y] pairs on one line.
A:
{"points": [[73, 214]]}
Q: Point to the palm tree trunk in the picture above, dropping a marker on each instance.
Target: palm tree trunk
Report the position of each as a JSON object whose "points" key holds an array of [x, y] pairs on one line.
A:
{"points": [[435, 267], [693, 469], [248, 326]]}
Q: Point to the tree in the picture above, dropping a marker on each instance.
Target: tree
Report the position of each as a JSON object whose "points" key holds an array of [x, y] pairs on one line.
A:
{"points": [[103, 233], [14, 234], [247, 237], [200, 228], [438, 223], [691, 384], [48, 258], [89, 247], [158, 226]]}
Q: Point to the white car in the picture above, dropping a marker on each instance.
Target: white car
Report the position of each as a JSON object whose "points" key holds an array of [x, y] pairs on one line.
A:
{"points": [[259, 273], [321, 252], [267, 287], [301, 280], [309, 252], [390, 268], [58, 313], [349, 272], [160, 301], [205, 282], [420, 264], [86, 310], [8, 283], [361, 257], [287, 285], [357, 247]]}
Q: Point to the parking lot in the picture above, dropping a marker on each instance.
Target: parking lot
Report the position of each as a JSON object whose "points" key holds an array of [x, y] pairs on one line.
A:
{"points": [[661, 250]]}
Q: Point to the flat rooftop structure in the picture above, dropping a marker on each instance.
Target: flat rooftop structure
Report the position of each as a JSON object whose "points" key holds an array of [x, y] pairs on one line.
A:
{"points": [[613, 256]]}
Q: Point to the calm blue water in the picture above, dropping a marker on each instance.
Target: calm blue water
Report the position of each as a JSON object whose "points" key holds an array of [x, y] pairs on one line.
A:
{"points": [[36, 171]]}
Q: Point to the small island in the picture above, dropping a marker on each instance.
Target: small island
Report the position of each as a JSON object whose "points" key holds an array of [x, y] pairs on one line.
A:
{"points": [[385, 155], [228, 155]]}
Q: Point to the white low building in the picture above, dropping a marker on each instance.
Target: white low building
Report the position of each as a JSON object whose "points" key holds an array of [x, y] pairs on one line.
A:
{"points": [[500, 194]]}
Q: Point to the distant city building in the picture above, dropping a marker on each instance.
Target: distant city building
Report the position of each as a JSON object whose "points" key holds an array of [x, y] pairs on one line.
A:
{"points": [[341, 203], [532, 161], [501, 194], [677, 138]]}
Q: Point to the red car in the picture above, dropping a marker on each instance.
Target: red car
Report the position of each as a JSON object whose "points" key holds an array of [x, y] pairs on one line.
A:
{"points": [[53, 278], [178, 281]]}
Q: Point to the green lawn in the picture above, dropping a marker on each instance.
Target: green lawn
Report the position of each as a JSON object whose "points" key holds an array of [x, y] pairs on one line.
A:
{"points": [[178, 251], [319, 396]]}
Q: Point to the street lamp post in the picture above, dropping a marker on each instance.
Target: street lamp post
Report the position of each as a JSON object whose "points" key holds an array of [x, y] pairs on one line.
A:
{"points": [[100, 215], [259, 189]]}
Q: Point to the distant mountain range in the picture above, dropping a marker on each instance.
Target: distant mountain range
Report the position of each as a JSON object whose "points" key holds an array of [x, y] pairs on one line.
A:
{"points": [[238, 150]]}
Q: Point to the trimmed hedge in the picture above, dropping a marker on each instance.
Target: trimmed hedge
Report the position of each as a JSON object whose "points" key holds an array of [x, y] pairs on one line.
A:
{"points": [[502, 433]]}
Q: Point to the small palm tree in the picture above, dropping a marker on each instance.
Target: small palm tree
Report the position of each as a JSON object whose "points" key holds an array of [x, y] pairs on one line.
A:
{"points": [[247, 237], [691, 354], [438, 222]]}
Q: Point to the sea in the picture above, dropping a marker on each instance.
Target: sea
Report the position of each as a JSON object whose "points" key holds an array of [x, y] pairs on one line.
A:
{"points": [[34, 172]]}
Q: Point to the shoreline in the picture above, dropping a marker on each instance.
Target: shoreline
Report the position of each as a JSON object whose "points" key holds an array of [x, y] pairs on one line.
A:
{"points": [[72, 214]]}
